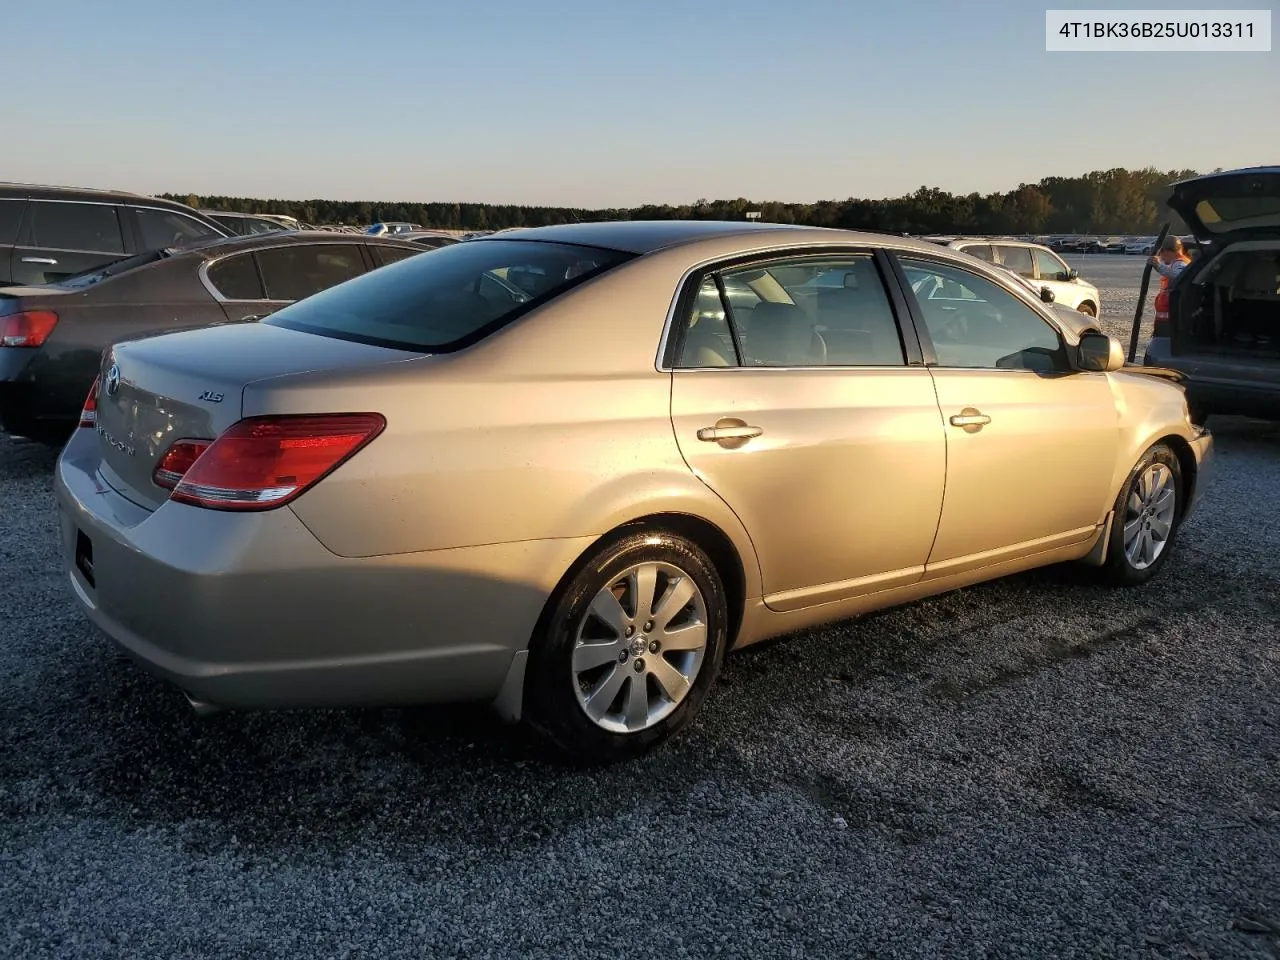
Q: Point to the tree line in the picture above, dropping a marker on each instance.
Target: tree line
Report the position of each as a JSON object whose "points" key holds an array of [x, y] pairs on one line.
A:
{"points": [[1116, 201]]}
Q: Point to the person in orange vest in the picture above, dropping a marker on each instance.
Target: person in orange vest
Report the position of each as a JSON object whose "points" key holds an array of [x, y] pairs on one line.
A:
{"points": [[1169, 262]]}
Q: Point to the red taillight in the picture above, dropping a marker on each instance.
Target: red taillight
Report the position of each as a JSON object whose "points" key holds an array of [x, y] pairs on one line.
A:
{"points": [[265, 462], [28, 329], [89, 413], [177, 460]]}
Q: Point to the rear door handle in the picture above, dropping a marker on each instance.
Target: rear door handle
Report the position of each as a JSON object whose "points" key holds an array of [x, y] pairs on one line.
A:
{"points": [[971, 419], [729, 431], [49, 260]]}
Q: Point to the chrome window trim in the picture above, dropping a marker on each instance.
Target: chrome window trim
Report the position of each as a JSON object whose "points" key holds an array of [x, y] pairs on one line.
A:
{"points": [[989, 273], [203, 271]]}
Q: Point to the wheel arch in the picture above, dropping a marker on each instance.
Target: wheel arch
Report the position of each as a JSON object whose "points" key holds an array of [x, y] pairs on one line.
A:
{"points": [[717, 544], [1188, 465]]}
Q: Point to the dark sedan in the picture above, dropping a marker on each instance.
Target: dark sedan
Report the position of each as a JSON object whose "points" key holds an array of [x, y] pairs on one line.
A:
{"points": [[52, 336]]}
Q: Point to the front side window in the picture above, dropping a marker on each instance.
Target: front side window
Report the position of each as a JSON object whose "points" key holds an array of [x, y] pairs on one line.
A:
{"points": [[450, 298], [974, 322], [168, 228], [76, 226], [236, 278], [980, 250], [1017, 259], [815, 311], [1050, 267], [296, 272]]}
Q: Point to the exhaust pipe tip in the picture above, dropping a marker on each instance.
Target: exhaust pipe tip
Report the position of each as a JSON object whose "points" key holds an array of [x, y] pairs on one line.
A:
{"points": [[202, 708]]}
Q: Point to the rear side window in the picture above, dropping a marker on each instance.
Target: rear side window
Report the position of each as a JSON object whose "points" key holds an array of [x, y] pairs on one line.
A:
{"points": [[236, 278], [980, 250], [10, 219], [167, 228], [814, 312], [1017, 259], [76, 226], [386, 255], [297, 272], [449, 298]]}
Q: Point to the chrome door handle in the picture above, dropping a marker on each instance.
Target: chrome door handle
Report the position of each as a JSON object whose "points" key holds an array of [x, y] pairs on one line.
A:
{"points": [[971, 419], [51, 262], [715, 434]]}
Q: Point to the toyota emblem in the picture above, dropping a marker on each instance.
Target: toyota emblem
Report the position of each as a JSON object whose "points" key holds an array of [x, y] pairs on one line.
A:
{"points": [[113, 380]]}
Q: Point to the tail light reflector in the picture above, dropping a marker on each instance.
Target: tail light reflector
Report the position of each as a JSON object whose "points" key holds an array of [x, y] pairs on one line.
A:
{"points": [[89, 412], [178, 459], [265, 462], [30, 328]]}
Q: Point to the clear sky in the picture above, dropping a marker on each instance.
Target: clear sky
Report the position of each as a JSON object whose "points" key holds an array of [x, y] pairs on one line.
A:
{"points": [[603, 102]]}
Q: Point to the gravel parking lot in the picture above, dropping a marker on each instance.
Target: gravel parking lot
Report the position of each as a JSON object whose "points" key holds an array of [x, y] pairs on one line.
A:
{"points": [[1037, 767]]}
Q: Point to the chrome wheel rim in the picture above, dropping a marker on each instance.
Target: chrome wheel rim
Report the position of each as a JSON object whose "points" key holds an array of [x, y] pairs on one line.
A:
{"points": [[1149, 515], [639, 647]]}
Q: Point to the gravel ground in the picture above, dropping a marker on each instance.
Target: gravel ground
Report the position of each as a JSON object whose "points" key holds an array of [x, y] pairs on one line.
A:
{"points": [[1030, 768]]}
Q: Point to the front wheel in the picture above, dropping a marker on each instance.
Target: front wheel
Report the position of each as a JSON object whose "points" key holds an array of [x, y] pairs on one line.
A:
{"points": [[1088, 309], [632, 646], [1147, 515]]}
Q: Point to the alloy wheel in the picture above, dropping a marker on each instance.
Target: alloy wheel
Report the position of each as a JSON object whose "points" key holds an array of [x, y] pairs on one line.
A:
{"points": [[639, 647], [1149, 515]]}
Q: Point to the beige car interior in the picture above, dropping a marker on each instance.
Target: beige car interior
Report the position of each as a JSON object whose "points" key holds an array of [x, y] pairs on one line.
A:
{"points": [[851, 324]]}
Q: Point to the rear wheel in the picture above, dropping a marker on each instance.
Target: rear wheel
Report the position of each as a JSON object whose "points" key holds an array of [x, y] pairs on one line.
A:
{"points": [[1147, 514], [632, 646]]}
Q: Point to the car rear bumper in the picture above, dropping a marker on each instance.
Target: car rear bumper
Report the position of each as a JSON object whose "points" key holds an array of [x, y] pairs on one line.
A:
{"points": [[1222, 384], [250, 610]]}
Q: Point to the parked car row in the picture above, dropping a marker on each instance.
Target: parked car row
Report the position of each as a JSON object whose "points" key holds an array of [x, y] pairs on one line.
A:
{"points": [[52, 335]]}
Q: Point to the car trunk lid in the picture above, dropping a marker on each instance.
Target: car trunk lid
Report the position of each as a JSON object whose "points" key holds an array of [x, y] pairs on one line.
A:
{"points": [[190, 385], [1231, 203]]}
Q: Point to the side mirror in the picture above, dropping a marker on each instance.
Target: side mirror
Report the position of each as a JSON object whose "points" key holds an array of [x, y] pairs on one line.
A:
{"points": [[1100, 353], [1047, 295], [1070, 275]]}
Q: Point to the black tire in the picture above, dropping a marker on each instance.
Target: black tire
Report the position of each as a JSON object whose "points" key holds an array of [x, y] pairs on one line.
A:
{"points": [[1118, 568], [552, 705], [1088, 309]]}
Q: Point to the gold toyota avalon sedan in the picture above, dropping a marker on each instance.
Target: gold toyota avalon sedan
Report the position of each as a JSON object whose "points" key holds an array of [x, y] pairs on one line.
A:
{"points": [[565, 470]]}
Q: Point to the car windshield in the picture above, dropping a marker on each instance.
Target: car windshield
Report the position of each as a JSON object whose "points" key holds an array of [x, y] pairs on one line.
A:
{"points": [[449, 299]]}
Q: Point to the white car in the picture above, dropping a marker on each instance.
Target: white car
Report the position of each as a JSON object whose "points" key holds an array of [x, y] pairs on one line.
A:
{"points": [[1038, 264]]}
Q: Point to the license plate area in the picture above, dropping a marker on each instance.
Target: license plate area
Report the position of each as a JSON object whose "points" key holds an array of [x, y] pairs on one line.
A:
{"points": [[84, 557]]}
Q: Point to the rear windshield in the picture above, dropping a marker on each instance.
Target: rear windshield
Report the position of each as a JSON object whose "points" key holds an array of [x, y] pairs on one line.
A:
{"points": [[448, 298]]}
